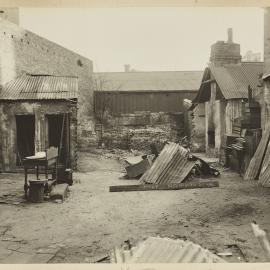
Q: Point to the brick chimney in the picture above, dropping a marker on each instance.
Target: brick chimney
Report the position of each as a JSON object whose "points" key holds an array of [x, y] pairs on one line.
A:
{"points": [[225, 53], [230, 35], [127, 68]]}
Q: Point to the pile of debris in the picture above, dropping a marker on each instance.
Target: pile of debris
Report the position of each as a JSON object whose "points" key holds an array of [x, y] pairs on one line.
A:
{"points": [[259, 166], [168, 170], [163, 250]]}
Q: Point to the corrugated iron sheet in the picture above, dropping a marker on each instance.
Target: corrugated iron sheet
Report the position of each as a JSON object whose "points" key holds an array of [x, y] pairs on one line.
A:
{"points": [[165, 250], [256, 162], [35, 87], [130, 102], [150, 80], [233, 80], [171, 166]]}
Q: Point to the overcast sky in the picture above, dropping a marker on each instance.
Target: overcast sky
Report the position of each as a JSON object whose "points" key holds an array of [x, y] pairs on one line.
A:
{"points": [[146, 38]]}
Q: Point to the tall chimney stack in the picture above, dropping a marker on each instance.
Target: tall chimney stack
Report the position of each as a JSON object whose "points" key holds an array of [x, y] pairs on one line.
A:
{"points": [[127, 68], [230, 35]]}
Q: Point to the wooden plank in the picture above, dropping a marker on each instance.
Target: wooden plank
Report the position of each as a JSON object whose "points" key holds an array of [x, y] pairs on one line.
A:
{"points": [[265, 169], [171, 186], [255, 164]]}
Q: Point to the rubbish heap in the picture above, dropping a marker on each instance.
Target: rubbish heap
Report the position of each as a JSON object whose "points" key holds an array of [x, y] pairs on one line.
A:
{"points": [[168, 170]]}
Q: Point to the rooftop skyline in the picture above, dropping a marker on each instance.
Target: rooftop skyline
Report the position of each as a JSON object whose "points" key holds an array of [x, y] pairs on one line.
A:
{"points": [[146, 38]]}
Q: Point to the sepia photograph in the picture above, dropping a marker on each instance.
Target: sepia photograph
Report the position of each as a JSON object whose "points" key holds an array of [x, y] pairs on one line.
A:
{"points": [[134, 134]]}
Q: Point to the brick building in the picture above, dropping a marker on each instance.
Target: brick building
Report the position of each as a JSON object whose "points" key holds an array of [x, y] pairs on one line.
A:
{"points": [[22, 51]]}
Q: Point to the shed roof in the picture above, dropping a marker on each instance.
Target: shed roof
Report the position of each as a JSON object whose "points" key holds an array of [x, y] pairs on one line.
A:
{"points": [[233, 80], [151, 80], [37, 87]]}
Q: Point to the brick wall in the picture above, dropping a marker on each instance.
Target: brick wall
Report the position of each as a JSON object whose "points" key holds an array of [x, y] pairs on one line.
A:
{"points": [[24, 51], [225, 53]]}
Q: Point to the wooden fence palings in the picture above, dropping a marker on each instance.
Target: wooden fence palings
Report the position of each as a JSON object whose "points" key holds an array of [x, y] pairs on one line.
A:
{"points": [[253, 169], [171, 186]]}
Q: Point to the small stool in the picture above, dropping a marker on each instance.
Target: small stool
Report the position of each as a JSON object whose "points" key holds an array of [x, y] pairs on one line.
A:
{"points": [[36, 190]]}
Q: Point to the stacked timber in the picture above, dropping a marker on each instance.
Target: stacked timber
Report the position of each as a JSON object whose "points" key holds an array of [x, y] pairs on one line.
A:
{"points": [[259, 167]]}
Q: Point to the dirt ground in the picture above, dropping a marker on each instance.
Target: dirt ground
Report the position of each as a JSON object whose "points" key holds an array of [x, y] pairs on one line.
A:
{"points": [[92, 220]]}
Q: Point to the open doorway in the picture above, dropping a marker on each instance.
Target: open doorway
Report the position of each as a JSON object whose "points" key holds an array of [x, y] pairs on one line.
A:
{"points": [[58, 135], [25, 126]]}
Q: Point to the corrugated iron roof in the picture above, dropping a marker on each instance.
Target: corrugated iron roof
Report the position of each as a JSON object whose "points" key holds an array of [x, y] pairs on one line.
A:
{"points": [[233, 80], [171, 166], [36, 87], [166, 250], [151, 80]]}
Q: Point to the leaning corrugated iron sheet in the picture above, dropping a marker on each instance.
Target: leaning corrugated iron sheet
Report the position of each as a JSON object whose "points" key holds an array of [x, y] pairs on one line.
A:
{"points": [[171, 166], [36, 87], [165, 250]]}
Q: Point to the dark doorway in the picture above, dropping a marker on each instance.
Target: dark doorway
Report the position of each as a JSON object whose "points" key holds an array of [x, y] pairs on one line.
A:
{"points": [[211, 138], [58, 135], [25, 125]]}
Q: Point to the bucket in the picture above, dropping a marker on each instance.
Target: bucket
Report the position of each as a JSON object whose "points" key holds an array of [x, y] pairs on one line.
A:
{"points": [[36, 191]]}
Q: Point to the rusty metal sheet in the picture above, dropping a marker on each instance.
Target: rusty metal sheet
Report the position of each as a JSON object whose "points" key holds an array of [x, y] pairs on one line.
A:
{"points": [[166, 250], [36, 87], [256, 162]]}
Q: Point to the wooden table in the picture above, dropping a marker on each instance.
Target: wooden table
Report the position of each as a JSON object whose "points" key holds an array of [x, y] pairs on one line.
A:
{"points": [[50, 159]]}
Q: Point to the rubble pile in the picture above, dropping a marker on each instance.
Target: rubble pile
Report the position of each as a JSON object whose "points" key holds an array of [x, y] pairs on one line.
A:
{"points": [[170, 168]]}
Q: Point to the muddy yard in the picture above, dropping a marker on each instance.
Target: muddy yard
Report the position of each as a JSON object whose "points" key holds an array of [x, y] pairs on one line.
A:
{"points": [[92, 220]]}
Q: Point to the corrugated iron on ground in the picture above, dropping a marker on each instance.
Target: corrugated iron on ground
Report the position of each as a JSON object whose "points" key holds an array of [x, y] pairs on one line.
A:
{"points": [[171, 166], [164, 250]]}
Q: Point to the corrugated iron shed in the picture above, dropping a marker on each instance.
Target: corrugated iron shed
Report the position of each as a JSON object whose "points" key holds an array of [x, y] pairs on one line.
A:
{"points": [[232, 80], [150, 80], [166, 250], [37, 87]]}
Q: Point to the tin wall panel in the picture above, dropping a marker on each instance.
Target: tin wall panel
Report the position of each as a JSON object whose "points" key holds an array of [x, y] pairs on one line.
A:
{"points": [[123, 102]]}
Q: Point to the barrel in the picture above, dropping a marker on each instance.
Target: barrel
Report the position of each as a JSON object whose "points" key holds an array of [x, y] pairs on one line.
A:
{"points": [[36, 190]]}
